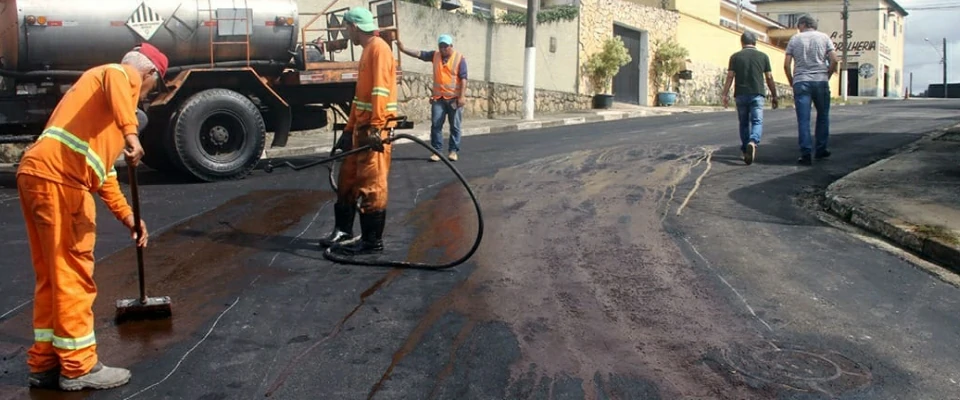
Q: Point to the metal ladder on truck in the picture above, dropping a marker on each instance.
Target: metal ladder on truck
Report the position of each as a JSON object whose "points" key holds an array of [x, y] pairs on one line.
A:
{"points": [[213, 22]]}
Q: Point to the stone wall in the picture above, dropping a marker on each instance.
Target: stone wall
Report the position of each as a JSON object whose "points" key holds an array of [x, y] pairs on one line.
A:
{"points": [[706, 87], [484, 99], [11, 152], [597, 18]]}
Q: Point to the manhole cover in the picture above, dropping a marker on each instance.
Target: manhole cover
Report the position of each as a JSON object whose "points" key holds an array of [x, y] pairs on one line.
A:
{"points": [[796, 368]]}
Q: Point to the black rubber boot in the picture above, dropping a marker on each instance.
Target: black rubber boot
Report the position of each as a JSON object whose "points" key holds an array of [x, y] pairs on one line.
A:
{"points": [[343, 229], [371, 239]]}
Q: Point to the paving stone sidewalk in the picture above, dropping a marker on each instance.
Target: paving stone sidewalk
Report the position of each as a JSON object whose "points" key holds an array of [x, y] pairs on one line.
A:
{"points": [[320, 143], [911, 198]]}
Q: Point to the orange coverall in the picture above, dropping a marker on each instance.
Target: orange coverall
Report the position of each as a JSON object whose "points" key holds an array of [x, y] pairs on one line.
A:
{"points": [[72, 158], [364, 175]]}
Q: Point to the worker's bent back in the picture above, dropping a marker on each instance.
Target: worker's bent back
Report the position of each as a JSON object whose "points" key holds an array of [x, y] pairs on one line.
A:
{"points": [[85, 133]]}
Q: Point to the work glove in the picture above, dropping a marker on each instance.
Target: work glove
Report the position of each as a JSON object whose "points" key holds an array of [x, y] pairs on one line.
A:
{"points": [[372, 139], [345, 142]]}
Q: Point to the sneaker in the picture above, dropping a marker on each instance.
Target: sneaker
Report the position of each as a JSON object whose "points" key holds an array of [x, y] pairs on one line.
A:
{"points": [[48, 379], [100, 377], [750, 154], [804, 160], [452, 156], [434, 158], [822, 155]]}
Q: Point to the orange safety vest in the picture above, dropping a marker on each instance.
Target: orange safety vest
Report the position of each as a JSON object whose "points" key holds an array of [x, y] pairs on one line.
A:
{"points": [[445, 80]]}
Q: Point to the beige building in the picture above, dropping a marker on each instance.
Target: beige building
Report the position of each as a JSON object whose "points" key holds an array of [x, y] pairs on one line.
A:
{"points": [[875, 39], [709, 29]]}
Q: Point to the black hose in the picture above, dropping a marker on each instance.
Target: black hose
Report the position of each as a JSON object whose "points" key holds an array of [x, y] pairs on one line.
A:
{"points": [[333, 149], [328, 253], [41, 74], [228, 64]]}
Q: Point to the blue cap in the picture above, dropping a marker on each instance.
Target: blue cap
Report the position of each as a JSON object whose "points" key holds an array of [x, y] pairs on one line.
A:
{"points": [[445, 39]]}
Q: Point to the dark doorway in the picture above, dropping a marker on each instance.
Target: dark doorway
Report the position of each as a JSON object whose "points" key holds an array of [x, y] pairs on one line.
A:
{"points": [[886, 81], [630, 83], [853, 79]]}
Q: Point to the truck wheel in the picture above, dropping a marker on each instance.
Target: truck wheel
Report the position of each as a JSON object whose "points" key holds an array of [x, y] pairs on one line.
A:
{"points": [[219, 135]]}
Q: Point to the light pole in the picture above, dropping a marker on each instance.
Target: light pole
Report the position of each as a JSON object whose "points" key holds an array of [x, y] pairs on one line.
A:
{"points": [[843, 58], [943, 60]]}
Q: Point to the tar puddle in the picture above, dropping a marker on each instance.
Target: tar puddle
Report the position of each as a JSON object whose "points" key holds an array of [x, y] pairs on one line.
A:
{"points": [[199, 264], [597, 299]]}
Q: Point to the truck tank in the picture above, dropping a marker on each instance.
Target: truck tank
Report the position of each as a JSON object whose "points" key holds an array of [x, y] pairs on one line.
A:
{"points": [[71, 35]]}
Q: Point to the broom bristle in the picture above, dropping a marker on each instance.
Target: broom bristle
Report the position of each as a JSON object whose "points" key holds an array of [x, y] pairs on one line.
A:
{"points": [[154, 308]]}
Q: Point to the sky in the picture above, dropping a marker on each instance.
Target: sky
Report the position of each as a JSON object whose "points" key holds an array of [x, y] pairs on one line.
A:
{"points": [[920, 57]]}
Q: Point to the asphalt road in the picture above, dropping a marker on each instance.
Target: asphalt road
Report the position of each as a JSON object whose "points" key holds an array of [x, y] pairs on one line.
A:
{"points": [[631, 259]]}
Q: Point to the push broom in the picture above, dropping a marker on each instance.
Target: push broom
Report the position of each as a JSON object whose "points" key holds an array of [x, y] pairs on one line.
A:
{"points": [[143, 307]]}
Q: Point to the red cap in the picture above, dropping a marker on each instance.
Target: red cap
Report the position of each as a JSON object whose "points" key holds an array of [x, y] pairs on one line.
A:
{"points": [[159, 60]]}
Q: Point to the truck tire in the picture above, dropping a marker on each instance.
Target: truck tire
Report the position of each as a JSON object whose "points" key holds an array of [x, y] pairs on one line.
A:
{"points": [[219, 135]]}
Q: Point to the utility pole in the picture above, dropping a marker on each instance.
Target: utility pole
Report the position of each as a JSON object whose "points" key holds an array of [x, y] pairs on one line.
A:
{"points": [[739, 7], [911, 84], [843, 58], [944, 67], [529, 60]]}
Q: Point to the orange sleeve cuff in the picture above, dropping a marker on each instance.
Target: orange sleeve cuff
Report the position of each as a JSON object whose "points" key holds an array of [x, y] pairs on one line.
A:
{"points": [[115, 200]]}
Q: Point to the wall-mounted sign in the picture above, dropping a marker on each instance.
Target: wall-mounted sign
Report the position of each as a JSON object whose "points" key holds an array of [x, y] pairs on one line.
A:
{"points": [[857, 47]]}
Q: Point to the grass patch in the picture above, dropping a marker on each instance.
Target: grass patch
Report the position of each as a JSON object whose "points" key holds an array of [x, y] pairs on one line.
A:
{"points": [[937, 231]]}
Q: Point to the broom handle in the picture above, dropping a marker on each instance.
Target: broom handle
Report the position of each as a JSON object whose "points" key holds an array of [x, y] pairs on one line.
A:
{"points": [[134, 189]]}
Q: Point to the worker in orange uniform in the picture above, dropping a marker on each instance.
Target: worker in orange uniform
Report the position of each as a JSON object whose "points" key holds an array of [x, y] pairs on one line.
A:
{"points": [[94, 122], [449, 92], [363, 175]]}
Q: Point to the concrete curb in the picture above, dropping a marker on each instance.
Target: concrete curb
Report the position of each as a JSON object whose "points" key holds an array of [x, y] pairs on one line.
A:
{"points": [[600, 116], [892, 228]]}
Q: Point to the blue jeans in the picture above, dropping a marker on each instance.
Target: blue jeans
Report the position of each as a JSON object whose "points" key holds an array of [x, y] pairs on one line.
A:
{"points": [[445, 109], [750, 111], [818, 93]]}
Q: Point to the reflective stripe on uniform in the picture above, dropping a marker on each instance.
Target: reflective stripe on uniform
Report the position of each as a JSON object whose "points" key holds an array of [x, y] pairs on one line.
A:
{"points": [[43, 335], [364, 106], [74, 343], [381, 91], [79, 146], [103, 80]]}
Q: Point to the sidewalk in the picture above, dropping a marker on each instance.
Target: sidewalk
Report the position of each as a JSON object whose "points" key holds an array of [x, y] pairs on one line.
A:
{"points": [[320, 143], [912, 198]]}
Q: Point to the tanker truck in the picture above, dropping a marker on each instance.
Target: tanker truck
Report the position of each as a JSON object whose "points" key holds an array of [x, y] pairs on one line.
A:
{"points": [[238, 69]]}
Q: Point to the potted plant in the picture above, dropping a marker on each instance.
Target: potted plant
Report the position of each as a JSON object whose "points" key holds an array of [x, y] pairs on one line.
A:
{"points": [[669, 59], [602, 66]]}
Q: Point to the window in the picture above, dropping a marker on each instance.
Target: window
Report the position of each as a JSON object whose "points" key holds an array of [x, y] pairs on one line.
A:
{"points": [[894, 28], [732, 25], [886, 19], [482, 9]]}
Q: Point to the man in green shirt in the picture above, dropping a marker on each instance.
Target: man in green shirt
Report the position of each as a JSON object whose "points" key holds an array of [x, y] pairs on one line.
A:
{"points": [[749, 67]]}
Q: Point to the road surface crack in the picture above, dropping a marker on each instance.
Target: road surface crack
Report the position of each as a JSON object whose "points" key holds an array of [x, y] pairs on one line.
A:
{"points": [[696, 185], [379, 284]]}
